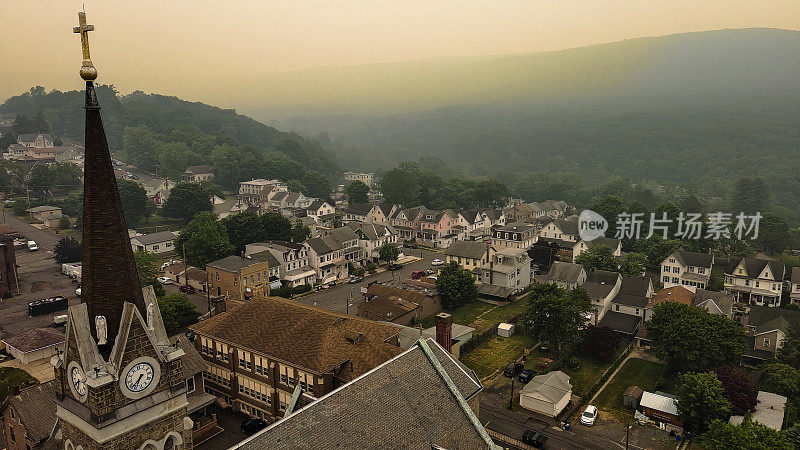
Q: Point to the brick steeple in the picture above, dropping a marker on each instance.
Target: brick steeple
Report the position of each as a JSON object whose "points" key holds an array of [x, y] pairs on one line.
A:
{"points": [[109, 277]]}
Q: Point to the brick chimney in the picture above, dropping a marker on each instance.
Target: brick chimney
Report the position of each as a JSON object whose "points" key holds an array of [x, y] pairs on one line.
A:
{"points": [[444, 330]]}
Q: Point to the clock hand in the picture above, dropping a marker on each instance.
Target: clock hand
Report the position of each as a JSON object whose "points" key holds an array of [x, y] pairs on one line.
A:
{"points": [[139, 379]]}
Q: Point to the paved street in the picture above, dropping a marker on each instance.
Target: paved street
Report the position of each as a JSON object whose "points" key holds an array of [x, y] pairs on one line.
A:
{"points": [[336, 297], [43, 238]]}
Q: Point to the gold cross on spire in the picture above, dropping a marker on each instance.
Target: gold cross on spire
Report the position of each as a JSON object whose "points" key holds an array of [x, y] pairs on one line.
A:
{"points": [[88, 72]]}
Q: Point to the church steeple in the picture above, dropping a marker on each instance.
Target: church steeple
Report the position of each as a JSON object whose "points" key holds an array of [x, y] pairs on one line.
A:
{"points": [[109, 277]]}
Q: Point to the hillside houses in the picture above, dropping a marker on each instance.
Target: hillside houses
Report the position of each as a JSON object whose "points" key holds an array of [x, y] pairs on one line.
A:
{"points": [[689, 269], [757, 280]]}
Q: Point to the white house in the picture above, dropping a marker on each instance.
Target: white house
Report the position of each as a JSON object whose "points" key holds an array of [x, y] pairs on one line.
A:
{"points": [[197, 174], [35, 140], [757, 280], [601, 286], [563, 229], [794, 295], [547, 394], [373, 236], [566, 275], [293, 263], [41, 212], [691, 270], [633, 296], [161, 242], [367, 178], [319, 209]]}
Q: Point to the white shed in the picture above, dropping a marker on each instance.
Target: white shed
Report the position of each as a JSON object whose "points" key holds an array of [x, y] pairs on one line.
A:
{"points": [[505, 329], [547, 394], [36, 344]]}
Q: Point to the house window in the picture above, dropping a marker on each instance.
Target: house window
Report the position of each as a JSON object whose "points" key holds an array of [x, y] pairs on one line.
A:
{"points": [[190, 385], [757, 283], [616, 307], [766, 342], [666, 279], [234, 281], [676, 270], [701, 270], [217, 276]]}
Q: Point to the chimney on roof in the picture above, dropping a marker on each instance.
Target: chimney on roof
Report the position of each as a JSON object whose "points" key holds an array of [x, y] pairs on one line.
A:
{"points": [[444, 330]]}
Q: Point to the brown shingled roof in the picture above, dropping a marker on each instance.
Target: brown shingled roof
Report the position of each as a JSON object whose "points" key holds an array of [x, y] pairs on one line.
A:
{"points": [[677, 294], [193, 363], [314, 339], [36, 408], [35, 339]]}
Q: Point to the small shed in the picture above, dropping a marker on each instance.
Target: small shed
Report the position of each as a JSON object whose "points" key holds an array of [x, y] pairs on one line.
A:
{"points": [[505, 329], [36, 344], [662, 408], [547, 394], [630, 398]]}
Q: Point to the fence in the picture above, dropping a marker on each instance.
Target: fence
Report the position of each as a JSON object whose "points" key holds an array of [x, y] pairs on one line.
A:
{"points": [[607, 374], [479, 339]]}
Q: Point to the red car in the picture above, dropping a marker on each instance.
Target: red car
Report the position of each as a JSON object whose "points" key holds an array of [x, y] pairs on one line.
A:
{"points": [[417, 274], [187, 289]]}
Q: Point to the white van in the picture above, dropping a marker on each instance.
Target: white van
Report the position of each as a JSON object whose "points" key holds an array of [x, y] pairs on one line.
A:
{"points": [[32, 246]]}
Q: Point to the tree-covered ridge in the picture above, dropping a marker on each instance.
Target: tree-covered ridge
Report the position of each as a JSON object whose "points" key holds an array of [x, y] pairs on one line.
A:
{"points": [[151, 130]]}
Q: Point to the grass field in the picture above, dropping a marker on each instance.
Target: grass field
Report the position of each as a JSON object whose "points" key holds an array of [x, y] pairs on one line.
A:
{"points": [[10, 377], [499, 314], [635, 372], [465, 314], [496, 353]]}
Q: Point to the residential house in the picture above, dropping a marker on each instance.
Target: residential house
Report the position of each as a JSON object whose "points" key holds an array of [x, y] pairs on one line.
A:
{"points": [[769, 411], [72, 154], [404, 220], [349, 243], [794, 292], [400, 302], [367, 178], [522, 212], [676, 294], [296, 200], [41, 212], [158, 190], [420, 399], [554, 208], [766, 328], [319, 209], [662, 408], [689, 269], [496, 217], [472, 220], [15, 152], [53, 219], [601, 286], [470, 255], [223, 208], [256, 354], [257, 192], [371, 237], [356, 212], [547, 394], [634, 295], [714, 302], [197, 174], [756, 280], [507, 267], [237, 278], [35, 140], [274, 265], [566, 275], [161, 242], [563, 229], [29, 418], [294, 267], [514, 235], [433, 227], [614, 244], [201, 403], [330, 253], [35, 345], [42, 154]]}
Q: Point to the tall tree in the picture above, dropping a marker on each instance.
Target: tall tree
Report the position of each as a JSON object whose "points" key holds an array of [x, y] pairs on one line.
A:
{"points": [[204, 239], [388, 252], [401, 184], [610, 208], [600, 257], [317, 183], [680, 335], [147, 267], [300, 231], [357, 192], [456, 286], [556, 315], [633, 264], [244, 228], [789, 353], [177, 312], [739, 389], [185, 201], [276, 227], [723, 435], [600, 342], [773, 234], [750, 195], [134, 201], [68, 250], [781, 379], [701, 400]]}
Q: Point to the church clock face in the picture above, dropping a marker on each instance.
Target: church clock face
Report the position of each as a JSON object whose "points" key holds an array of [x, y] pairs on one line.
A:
{"points": [[140, 377], [77, 381]]}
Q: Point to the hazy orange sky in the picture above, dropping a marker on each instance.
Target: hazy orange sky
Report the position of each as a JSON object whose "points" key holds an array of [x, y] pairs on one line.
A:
{"points": [[136, 41]]}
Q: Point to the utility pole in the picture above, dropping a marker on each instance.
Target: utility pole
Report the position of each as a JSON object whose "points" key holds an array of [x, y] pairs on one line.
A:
{"points": [[511, 399], [349, 300], [208, 295], [627, 432]]}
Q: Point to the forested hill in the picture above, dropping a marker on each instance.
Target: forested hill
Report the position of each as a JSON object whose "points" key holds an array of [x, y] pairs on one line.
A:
{"points": [[149, 130]]}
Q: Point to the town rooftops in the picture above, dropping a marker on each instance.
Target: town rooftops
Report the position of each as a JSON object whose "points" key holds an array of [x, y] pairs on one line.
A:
{"points": [[359, 209], [603, 277], [517, 227], [624, 323], [769, 411], [316, 204], [567, 226], [677, 294], [760, 316], [195, 170], [267, 256], [233, 263], [43, 209], [694, 258], [35, 339], [311, 338], [611, 243], [564, 271], [193, 362], [416, 400], [755, 265], [36, 408], [31, 137], [155, 238], [636, 285], [714, 302], [467, 249], [410, 292]]}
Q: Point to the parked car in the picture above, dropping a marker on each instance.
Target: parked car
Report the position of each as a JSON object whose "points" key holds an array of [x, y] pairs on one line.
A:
{"points": [[187, 289], [356, 279], [164, 280], [409, 244], [526, 375], [32, 246], [253, 426], [437, 262], [534, 439], [78, 291], [395, 266], [513, 369], [589, 415], [417, 274]]}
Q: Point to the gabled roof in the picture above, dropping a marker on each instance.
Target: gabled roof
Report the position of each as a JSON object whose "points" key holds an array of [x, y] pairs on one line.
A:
{"points": [[267, 256], [564, 271], [233, 263], [755, 265], [635, 285], [611, 243], [567, 226], [677, 294], [603, 277], [372, 231], [155, 238], [36, 408], [761, 315], [552, 386], [714, 302], [360, 209], [202, 168], [658, 402], [617, 321], [466, 249], [413, 401], [278, 196], [316, 204], [311, 338], [32, 137], [696, 259]]}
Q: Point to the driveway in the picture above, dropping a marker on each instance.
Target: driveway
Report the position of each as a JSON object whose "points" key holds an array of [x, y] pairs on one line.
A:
{"points": [[335, 298]]}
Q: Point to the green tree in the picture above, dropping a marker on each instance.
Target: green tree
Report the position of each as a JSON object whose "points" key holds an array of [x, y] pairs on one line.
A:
{"points": [[789, 353], [72, 205], [723, 435], [134, 201], [556, 315], [680, 336], [456, 286], [401, 184], [276, 227], [357, 192], [656, 250], [633, 264], [773, 234], [300, 231], [146, 266], [317, 183], [68, 250], [204, 239], [600, 257], [243, 228], [140, 147], [609, 207], [63, 223], [701, 400], [750, 195], [389, 252], [185, 201], [670, 212], [177, 312], [781, 379]]}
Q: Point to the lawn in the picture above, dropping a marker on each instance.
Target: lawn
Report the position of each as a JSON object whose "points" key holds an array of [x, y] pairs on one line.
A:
{"points": [[638, 372], [496, 353], [10, 377], [464, 314], [498, 314]]}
